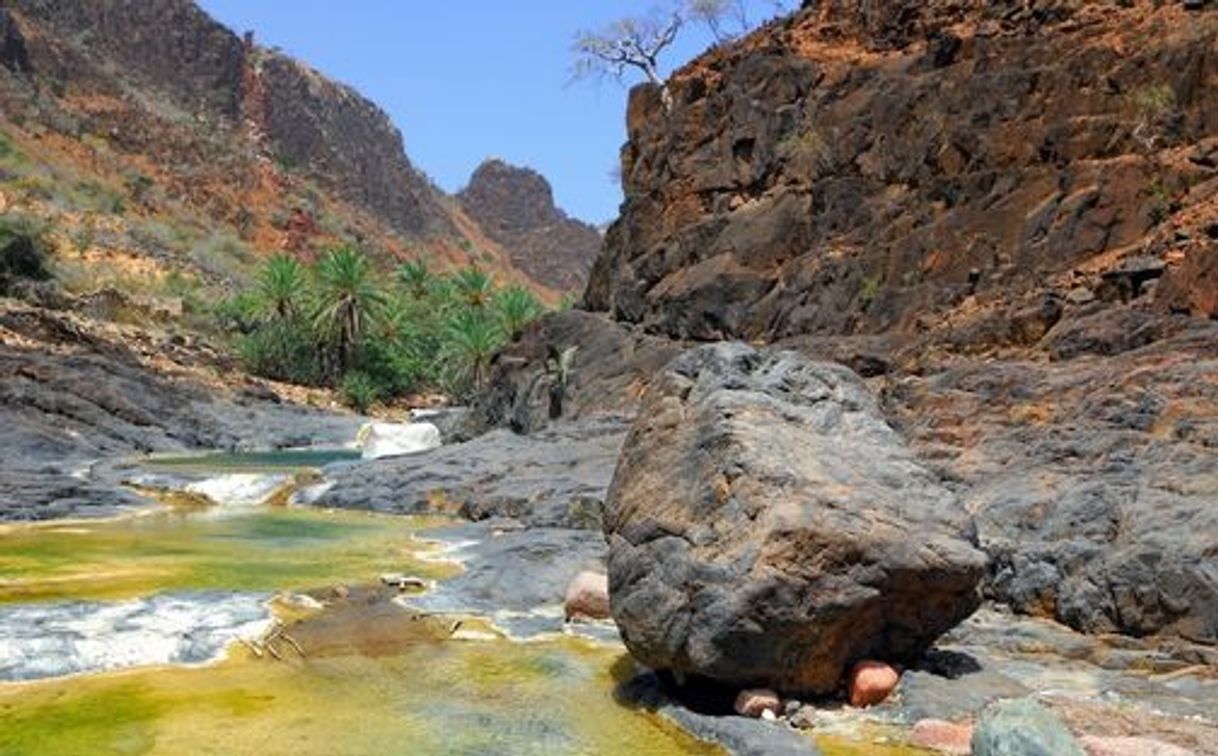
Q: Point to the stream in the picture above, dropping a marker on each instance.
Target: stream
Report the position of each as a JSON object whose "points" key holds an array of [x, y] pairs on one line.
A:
{"points": [[224, 620], [128, 636]]}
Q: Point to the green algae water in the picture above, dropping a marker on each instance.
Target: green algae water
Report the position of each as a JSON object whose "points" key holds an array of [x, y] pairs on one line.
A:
{"points": [[374, 678], [373, 681], [266, 549], [426, 698]]}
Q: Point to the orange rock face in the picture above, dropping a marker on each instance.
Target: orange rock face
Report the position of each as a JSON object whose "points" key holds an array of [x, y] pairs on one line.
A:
{"points": [[871, 683]]}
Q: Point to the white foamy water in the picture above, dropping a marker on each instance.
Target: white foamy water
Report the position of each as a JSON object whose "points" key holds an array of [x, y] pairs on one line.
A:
{"points": [[72, 637], [239, 489]]}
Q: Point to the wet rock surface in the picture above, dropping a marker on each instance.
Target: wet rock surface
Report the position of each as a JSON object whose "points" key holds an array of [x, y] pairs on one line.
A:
{"points": [[743, 736], [60, 411], [767, 527], [63, 638], [552, 478], [516, 578]]}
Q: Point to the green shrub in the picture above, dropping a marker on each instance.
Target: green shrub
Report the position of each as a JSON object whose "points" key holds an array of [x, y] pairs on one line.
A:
{"points": [[282, 351], [359, 391]]}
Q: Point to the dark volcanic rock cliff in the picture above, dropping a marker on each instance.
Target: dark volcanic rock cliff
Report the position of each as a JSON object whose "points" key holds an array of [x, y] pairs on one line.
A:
{"points": [[1005, 215], [865, 167], [169, 44], [334, 132], [515, 207]]}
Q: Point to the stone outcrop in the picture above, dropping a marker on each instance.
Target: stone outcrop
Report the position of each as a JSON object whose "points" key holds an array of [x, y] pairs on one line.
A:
{"points": [[170, 45], [1093, 480], [515, 207], [609, 369], [552, 478], [880, 167], [332, 131], [768, 528], [1005, 217]]}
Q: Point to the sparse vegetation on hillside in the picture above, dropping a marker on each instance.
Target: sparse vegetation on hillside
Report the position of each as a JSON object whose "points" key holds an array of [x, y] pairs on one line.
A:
{"points": [[339, 324]]}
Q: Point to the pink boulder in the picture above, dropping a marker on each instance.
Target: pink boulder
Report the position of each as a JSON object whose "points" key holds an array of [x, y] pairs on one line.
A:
{"points": [[755, 702], [588, 597], [871, 682], [944, 737]]}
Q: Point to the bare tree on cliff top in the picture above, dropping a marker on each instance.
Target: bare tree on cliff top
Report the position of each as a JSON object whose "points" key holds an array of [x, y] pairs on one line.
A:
{"points": [[636, 42], [629, 43]]}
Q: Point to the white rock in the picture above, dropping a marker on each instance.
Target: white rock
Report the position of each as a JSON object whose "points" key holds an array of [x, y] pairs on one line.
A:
{"points": [[379, 440]]}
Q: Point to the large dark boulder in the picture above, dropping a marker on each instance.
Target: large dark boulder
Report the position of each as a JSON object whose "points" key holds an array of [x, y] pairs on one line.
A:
{"points": [[767, 527]]}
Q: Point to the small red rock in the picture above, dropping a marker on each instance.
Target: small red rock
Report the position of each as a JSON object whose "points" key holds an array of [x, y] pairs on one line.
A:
{"points": [[755, 702], [871, 682], [1097, 746], [944, 737], [588, 597]]}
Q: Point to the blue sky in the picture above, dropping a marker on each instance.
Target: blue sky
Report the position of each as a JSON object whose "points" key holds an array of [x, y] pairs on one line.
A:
{"points": [[467, 80]]}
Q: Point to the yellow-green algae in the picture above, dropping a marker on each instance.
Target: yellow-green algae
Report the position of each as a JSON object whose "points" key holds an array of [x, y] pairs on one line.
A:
{"points": [[264, 549], [356, 693], [444, 697]]}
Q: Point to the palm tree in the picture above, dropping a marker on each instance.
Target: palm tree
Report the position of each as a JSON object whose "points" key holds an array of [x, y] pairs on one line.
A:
{"points": [[475, 286], [517, 308], [281, 287], [346, 301], [471, 340], [415, 276]]}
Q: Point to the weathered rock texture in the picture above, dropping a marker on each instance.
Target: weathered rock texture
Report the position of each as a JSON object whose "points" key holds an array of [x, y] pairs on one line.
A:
{"points": [[1005, 216], [1094, 480], [552, 478], [873, 167], [611, 367], [334, 132], [767, 527], [515, 207]]}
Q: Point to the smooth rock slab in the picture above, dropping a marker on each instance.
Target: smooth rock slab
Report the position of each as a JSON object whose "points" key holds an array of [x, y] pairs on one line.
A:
{"points": [[64, 638], [1022, 727], [517, 579], [767, 528]]}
